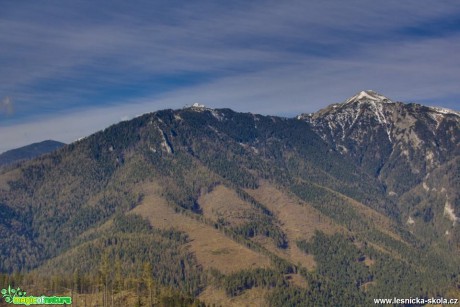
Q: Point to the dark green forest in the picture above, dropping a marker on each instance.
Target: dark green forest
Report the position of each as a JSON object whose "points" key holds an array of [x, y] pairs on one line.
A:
{"points": [[66, 225]]}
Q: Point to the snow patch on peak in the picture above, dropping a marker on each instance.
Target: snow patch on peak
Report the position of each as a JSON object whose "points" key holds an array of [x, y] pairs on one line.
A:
{"points": [[217, 115], [368, 95], [198, 105], [444, 111]]}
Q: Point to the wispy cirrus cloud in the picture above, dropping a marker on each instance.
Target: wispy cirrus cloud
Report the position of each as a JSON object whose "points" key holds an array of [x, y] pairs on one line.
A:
{"points": [[6, 106], [64, 58]]}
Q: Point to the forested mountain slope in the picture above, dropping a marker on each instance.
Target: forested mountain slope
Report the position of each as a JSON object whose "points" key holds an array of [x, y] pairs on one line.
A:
{"points": [[228, 207]]}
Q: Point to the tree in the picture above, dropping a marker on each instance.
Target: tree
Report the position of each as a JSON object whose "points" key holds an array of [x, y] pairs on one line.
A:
{"points": [[104, 276], [118, 276], [77, 281], [148, 281]]}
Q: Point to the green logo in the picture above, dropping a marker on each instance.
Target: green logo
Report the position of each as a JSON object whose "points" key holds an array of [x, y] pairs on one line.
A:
{"points": [[18, 297]]}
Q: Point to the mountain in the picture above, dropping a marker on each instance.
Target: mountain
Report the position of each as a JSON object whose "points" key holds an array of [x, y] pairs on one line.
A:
{"points": [[230, 208], [28, 152], [388, 138], [413, 150]]}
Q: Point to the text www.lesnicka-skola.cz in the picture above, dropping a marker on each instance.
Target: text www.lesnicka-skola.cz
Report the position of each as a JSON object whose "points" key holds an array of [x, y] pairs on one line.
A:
{"points": [[416, 300]]}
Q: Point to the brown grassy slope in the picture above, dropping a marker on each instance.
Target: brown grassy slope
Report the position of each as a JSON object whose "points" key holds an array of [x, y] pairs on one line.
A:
{"points": [[302, 222], [211, 247], [254, 297], [224, 203], [298, 220]]}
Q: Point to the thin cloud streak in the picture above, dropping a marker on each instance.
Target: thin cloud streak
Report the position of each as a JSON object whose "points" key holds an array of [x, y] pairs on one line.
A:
{"points": [[6, 106]]}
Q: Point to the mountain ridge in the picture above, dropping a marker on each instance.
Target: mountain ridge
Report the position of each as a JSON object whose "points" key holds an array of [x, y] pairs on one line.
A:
{"points": [[202, 184], [395, 124], [28, 152]]}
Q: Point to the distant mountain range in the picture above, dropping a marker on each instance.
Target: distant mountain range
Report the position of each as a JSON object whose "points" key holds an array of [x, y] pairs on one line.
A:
{"points": [[29, 152], [357, 201]]}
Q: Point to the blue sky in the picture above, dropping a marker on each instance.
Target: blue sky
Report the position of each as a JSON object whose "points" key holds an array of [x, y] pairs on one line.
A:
{"points": [[70, 68]]}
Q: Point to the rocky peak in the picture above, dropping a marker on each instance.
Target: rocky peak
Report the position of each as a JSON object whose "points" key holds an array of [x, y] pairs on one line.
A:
{"points": [[379, 134], [367, 96]]}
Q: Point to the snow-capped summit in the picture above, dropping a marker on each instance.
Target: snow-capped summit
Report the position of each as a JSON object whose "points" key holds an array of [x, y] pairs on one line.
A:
{"points": [[368, 95], [444, 111], [198, 105], [409, 137]]}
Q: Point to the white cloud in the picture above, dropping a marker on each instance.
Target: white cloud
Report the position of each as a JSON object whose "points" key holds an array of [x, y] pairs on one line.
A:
{"points": [[6, 106]]}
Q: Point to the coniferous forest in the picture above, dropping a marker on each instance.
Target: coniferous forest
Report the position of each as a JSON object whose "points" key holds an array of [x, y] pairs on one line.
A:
{"points": [[202, 207]]}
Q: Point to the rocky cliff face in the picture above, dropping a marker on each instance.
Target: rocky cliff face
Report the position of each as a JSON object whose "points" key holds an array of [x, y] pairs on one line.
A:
{"points": [[412, 149], [391, 140]]}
